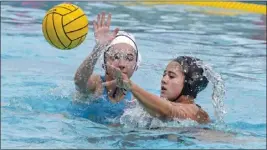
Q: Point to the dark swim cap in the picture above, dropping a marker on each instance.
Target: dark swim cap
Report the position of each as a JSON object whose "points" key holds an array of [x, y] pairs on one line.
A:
{"points": [[194, 79]]}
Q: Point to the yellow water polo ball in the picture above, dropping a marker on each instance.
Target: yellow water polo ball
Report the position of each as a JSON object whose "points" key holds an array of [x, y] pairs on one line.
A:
{"points": [[65, 26]]}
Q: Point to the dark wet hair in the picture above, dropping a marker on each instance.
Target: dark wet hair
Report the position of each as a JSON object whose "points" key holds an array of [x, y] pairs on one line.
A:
{"points": [[195, 81]]}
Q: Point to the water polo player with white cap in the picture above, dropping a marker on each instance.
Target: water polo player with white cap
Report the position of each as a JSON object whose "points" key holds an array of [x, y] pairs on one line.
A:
{"points": [[117, 49]]}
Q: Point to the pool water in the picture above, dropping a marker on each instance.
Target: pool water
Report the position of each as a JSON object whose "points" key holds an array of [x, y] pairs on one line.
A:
{"points": [[37, 79]]}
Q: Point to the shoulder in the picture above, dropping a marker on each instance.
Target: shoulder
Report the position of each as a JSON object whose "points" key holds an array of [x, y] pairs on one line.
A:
{"points": [[95, 77], [95, 80], [189, 111], [181, 111], [196, 113], [93, 83], [202, 116], [94, 87]]}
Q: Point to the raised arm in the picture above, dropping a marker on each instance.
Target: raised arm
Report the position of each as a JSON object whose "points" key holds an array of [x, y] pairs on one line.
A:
{"points": [[84, 80]]}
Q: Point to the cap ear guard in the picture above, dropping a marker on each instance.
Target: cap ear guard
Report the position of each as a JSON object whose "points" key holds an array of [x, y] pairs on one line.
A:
{"points": [[136, 68], [193, 86], [195, 81], [139, 59], [104, 66]]}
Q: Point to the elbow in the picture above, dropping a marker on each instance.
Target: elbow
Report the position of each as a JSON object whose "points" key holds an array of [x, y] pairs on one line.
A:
{"points": [[79, 86], [77, 81], [77, 78]]}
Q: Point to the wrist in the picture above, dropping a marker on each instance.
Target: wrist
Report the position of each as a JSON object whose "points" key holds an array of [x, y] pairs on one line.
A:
{"points": [[133, 86]]}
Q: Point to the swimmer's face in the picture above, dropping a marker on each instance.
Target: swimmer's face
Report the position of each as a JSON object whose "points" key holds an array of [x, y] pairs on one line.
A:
{"points": [[122, 56], [172, 81]]}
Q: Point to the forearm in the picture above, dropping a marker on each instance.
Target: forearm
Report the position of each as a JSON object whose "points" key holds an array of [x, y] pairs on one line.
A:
{"points": [[85, 70], [151, 101]]}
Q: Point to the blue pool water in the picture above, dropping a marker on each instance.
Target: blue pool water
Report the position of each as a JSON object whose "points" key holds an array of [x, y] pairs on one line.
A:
{"points": [[37, 79]]}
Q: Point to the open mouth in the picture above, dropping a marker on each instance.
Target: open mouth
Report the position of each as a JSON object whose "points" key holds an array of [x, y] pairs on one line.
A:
{"points": [[163, 88]]}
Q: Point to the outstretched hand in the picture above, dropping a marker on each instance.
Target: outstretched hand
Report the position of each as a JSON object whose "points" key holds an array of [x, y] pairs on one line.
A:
{"points": [[121, 80], [102, 29]]}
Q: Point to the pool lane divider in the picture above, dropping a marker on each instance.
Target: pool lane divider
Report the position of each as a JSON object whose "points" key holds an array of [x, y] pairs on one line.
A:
{"points": [[230, 5]]}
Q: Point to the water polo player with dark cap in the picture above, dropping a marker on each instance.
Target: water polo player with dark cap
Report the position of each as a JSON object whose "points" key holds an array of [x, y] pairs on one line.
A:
{"points": [[182, 80]]}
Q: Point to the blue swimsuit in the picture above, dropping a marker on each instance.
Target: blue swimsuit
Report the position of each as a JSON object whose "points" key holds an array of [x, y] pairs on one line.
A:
{"points": [[101, 109]]}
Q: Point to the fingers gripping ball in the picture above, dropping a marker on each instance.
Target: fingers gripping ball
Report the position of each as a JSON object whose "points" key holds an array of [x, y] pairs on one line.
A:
{"points": [[65, 26]]}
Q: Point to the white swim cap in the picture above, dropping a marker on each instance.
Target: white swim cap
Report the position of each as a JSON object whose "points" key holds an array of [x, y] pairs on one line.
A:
{"points": [[124, 37]]}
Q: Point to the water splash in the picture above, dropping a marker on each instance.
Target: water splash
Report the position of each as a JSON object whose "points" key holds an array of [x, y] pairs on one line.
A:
{"points": [[137, 117], [218, 92]]}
